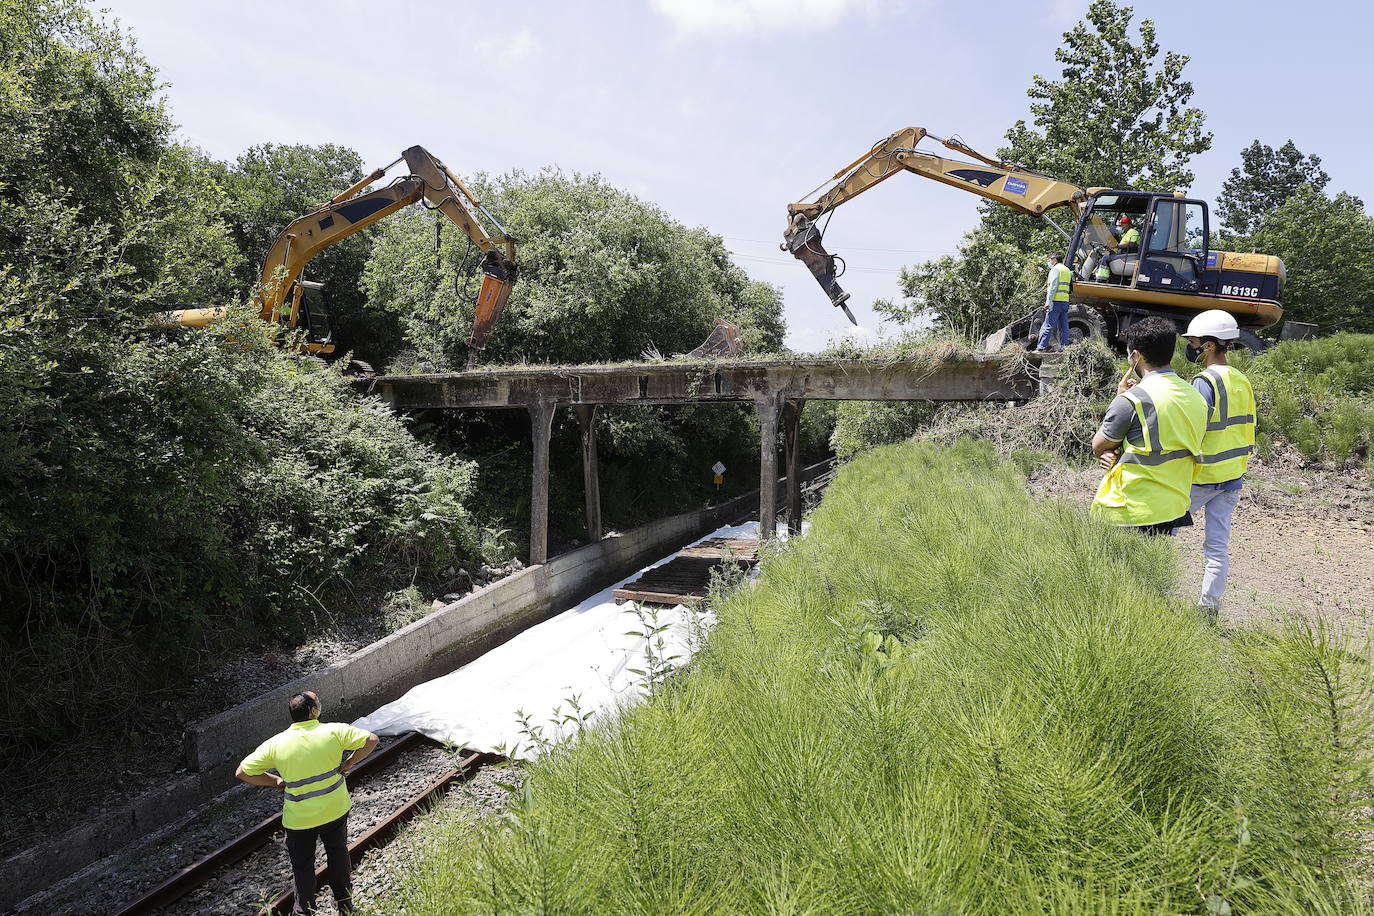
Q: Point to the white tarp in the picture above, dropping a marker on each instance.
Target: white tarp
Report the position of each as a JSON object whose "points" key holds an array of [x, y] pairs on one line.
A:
{"points": [[584, 653]]}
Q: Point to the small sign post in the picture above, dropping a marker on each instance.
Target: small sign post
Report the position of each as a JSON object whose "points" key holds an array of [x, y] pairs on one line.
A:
{"points": [[719, 470]]}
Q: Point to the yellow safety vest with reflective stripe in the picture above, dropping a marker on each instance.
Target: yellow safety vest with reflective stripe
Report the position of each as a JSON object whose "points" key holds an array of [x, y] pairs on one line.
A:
{"points": [[1058, 284], [1230, 427], [1130, 237], [1152, 482], [307, 757]]}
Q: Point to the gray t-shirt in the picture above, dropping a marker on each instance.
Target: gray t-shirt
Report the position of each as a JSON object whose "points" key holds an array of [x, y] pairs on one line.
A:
{"points": [[1121, 424]]}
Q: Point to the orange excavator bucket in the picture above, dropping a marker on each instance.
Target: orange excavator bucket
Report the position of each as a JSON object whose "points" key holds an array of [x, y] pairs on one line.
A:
{"points": [[497, 281]]}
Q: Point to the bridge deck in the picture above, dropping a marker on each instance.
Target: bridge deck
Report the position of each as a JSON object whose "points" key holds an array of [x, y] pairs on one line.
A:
{"points": [[975, 378], [779, 389]]}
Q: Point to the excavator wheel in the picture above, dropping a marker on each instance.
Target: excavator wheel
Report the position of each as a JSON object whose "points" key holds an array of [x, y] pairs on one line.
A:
{"points": [[1085, 323], [1253, 342]]}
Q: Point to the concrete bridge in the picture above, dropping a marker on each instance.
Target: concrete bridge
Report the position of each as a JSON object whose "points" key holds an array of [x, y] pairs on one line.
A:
{"points": [[778, 389]]}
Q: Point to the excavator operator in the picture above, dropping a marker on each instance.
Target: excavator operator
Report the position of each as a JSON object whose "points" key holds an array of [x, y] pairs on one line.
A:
{"points": [[1124, 253]]}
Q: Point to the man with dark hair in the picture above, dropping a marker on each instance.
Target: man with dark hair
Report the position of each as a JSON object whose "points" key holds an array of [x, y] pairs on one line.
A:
{"points": [[311, 760], [1057, 287], [1150, 438]]}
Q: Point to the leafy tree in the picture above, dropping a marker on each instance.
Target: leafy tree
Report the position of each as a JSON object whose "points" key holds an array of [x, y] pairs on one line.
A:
{"points": [[988, 284], [1327, 246], [80, 111], [1117, 116], [271, 185], [1266, 178], [603, 277], [162, 495]]}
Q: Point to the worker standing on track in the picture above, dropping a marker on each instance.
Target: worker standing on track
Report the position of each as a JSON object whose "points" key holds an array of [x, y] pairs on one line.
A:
{"points": [[1150, 437], [1057, 287], [311, 759], [1226, 447]]}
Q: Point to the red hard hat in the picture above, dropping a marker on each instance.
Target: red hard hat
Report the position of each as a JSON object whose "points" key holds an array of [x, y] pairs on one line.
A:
{"points": [[1124, 221]]}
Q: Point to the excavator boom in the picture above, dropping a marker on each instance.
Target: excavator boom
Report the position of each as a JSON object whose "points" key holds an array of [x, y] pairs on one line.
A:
{"points": [[1007, 183], [1166, 268], [280, 289]]}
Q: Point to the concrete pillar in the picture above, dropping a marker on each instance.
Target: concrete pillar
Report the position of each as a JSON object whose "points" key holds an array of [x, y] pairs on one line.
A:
{"points": [[591, 482], [791, 425], [1048, 374], [541, 426], [769, 407]]}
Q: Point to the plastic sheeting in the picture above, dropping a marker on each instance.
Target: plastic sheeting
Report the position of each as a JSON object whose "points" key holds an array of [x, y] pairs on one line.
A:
{"points": [[583, 656]]}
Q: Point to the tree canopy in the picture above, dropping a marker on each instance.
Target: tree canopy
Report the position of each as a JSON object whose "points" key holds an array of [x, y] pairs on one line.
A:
{"points": [[604, 276], [1117, 116], [1327, 245], [1265, 179], [162, 492]]}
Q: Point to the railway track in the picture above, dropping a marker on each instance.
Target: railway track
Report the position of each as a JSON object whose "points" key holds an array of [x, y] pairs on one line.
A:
{"points": [[193, 876]]}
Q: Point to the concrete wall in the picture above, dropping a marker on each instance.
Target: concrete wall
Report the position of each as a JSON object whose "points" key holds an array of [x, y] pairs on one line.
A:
{"points": [[451, 636]]}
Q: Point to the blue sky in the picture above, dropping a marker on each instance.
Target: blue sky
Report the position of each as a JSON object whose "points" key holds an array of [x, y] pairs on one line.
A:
{"points": [[724, 111]]}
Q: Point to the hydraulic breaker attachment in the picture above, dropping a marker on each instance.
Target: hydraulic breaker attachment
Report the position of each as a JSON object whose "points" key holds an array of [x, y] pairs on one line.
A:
{"points": [[803, 239], [497, 280], [724, 340]]}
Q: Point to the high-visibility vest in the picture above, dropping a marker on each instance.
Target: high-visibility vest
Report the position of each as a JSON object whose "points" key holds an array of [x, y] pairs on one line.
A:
{"points": [[1230, 434], [1130, 237], [307, 757], [1059, 282], [1152, 482]]}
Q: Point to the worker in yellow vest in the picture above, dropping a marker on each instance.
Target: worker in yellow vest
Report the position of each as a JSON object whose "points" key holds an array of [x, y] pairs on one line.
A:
{"points": [[1226, 447], [1057, 287], [1150, 437], [312, 759]]}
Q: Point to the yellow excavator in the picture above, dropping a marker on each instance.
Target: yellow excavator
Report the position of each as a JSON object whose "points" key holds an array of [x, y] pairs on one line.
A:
{"points": [[285, 297], [1117, 281]]}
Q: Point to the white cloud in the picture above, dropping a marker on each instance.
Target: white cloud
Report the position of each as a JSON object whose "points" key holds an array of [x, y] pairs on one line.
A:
{"points": [[738, 17], [519, 47]]}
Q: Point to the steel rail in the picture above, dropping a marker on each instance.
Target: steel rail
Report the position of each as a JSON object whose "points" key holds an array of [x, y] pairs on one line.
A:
{"points": [[383, 830], [198, 872]]}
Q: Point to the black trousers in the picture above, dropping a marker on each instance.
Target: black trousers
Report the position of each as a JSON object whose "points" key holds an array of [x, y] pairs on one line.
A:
{"points": [[300, 846]]}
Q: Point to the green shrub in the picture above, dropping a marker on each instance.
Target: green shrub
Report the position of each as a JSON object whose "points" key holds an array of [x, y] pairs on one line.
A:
{"points": [[165, 498], [1317, 395], [947, 698]]}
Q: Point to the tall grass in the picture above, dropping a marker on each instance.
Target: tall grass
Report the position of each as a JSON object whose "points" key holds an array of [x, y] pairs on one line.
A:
{"points": [[1317, 395], [947, 698]]}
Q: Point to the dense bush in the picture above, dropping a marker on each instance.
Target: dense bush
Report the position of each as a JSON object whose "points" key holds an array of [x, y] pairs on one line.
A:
{"points": [[162, 495], [604, 277], [1317, 395], [947, 698]]}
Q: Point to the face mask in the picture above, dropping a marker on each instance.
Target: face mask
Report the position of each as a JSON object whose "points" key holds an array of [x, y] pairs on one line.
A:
{"points": [[1193, 354]]}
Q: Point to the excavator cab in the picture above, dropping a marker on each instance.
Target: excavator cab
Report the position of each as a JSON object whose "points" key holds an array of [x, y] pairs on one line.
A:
{"points": [[1170, 256], [1174, 246], [312, 316]]}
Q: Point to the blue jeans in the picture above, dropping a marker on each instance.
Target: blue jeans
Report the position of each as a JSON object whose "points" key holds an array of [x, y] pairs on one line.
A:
{"points": [[1056, 319], [1216, 541]]}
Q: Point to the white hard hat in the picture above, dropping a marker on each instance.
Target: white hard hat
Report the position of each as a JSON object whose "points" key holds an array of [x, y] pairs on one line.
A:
{"points": [[1213, 323]]}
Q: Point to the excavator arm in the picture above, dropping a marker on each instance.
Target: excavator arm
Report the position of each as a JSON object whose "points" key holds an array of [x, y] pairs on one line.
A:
{"points": [[355, 209], [280, 289], [1007, 183]]}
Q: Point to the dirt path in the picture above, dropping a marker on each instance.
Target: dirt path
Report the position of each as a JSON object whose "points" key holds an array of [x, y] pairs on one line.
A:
{"points": [[1302, 541]]}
